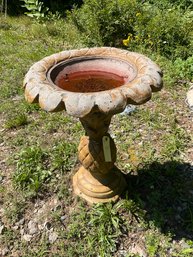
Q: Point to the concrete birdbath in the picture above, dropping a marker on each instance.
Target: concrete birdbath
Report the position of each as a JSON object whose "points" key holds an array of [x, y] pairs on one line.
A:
{"points": [[93, 84]]}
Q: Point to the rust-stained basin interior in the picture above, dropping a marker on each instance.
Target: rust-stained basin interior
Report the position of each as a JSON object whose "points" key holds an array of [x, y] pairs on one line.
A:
{"points": [[91, 74]]}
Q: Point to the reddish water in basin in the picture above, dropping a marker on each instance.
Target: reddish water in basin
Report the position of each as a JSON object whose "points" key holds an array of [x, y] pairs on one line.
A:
{"points": [[89, 81]]}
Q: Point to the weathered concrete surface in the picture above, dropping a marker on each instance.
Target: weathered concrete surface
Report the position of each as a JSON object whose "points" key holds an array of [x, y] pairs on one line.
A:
{"points": [[39, 88]]}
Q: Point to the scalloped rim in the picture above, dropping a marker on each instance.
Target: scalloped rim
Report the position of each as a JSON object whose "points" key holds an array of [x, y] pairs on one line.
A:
{"points": [[39, 89]]}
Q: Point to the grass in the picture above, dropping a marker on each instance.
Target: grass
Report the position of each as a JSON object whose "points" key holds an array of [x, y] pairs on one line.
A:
{"points": [[16, 121], [38, 157]]}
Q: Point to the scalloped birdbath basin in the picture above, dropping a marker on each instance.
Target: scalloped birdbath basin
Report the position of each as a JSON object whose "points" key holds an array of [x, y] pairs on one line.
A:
{"points": [[93, 85]]}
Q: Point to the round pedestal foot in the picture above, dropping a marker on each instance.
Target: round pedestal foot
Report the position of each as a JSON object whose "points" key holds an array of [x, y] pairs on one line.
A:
{"points": [[98, 187]]}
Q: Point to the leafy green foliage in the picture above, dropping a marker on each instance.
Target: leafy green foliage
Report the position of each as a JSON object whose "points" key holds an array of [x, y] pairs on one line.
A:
{"points": [[152, 245], [108, 223], [16, 120], [103, 22], [32, 170], [35, 9], [103, 226], [169, 3], [35, 166], [62, 156], [174, 142], [184, 69], [166, 31], [130, 208], [156, 244]]}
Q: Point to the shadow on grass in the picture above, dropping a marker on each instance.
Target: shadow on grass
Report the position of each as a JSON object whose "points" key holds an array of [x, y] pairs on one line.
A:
{"points": [[165, 192]]}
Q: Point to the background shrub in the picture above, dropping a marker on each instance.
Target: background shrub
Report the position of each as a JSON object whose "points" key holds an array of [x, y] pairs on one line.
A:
{"points": [[104, 22], [167, 31], [168, 3]]}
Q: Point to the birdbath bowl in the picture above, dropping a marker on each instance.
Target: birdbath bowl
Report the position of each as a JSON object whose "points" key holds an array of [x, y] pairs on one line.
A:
{"points": [[93, 85]]}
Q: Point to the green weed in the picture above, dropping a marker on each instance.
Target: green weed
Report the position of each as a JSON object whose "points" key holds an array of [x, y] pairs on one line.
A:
{"points": [[152, 245], [175, 141], [156, 244], [130, 208], [100, 227], [184, 69], [17, 120], [32, 169], [62, 156], [108, 223], [35, 9]]}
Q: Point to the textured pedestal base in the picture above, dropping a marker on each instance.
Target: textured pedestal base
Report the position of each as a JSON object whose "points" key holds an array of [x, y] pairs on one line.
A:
{"points": [[98, 187]]}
